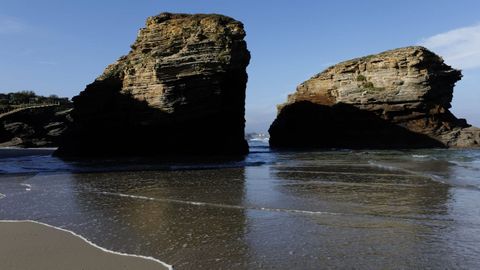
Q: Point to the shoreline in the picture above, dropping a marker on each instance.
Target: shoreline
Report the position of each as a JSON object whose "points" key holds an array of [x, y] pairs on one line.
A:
{"points": [[50, 247], [13, 152]]}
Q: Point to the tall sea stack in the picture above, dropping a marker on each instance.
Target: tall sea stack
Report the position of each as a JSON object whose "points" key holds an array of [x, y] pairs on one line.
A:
{"points": [[180, 91], [395, 99]]}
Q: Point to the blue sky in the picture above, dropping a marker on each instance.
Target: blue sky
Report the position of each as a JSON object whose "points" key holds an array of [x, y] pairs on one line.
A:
{"points": [[59, 46]]}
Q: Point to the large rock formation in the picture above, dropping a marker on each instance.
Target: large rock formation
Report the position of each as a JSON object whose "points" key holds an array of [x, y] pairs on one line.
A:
{"points": [[395, 99], [180, 90]]}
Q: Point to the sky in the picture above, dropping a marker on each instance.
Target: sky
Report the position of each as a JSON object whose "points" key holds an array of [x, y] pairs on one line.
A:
{"points": [[60, 46]]}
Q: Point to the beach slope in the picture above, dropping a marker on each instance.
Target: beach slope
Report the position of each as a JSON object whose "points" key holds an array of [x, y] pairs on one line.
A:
{"points": [[30, 245]]}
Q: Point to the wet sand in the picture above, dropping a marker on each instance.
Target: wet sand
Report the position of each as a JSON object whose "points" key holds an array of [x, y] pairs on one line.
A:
{"points": [[29, 245]]}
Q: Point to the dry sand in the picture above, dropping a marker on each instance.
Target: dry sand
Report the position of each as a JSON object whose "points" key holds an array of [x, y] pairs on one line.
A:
{"points": [[29, 245]]}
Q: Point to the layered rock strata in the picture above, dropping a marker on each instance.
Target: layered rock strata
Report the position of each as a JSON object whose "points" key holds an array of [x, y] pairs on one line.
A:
{"points": [[395, 99], [180, 90]]}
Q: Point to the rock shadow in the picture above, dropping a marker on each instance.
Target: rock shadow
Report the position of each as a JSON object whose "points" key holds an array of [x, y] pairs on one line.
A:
{"points": [[108, 122], [308, 125]]}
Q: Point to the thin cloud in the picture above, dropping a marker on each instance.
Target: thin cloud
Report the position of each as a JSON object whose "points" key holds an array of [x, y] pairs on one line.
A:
{"points": [[459, 47], [46, 62], [9, 25]]}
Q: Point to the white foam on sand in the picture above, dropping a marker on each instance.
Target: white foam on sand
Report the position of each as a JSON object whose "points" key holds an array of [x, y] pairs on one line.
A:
{"points": [[348, 173], [93, 244], [420, 156], [222, 205], [28, 187], [2, 196], [433, 177], [387, 167]]}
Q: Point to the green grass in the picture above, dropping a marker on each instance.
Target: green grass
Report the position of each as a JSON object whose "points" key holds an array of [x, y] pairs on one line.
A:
{"points": [[361, 78]]}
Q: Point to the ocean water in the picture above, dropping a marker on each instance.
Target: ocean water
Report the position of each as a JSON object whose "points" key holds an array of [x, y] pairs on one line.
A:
{"points": [[411, 209]]}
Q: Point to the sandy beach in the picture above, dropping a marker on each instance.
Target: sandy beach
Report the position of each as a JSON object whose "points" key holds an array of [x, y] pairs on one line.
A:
{"points": [[29, 245]]}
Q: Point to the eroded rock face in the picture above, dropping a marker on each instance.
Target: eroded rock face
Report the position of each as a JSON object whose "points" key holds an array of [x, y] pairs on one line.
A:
{"points": [[41, 127], [180, 90], [398, 98]]}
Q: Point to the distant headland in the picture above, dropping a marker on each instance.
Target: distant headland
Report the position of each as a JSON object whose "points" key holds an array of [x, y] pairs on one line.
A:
{"points": [[31, 120]]}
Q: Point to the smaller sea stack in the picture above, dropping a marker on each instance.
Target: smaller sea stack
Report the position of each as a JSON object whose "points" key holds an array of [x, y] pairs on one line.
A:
{"points": [[396, 99]]}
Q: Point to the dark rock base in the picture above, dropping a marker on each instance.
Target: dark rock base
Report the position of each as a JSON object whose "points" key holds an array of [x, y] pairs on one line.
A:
{"points": [[308, 125]]}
